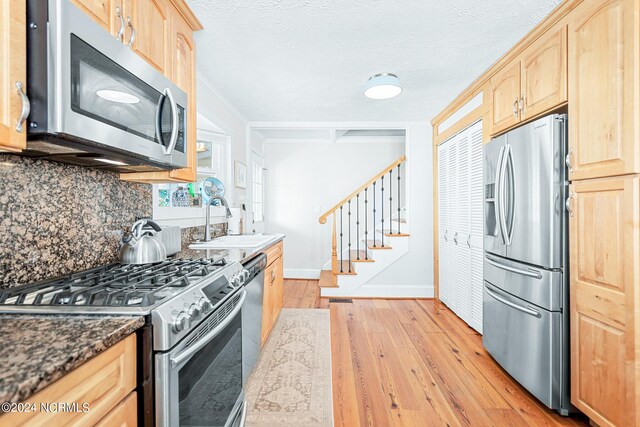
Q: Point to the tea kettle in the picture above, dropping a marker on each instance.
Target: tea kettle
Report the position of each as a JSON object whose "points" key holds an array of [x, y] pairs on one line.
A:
{"points": [[141, 246]]}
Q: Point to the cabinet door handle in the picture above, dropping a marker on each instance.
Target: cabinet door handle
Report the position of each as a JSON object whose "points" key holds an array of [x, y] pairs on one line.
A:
{"points": [[567, 160], [568, 204], [455, 238], [469, 240], [26, 107], [273, 276], [523, 110], [515, 108], [446, 239], [120, 34], [133, 32]]}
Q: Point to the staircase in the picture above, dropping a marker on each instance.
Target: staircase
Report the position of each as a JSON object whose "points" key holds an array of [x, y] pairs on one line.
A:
{"points": [[369, 233]]}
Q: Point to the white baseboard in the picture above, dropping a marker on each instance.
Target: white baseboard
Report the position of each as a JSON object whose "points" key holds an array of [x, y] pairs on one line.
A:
{"points": [[302, 273], [381, 291]]}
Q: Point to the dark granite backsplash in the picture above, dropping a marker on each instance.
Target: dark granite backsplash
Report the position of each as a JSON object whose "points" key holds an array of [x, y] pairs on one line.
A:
{"points": [[191, 234], [57, 219]]}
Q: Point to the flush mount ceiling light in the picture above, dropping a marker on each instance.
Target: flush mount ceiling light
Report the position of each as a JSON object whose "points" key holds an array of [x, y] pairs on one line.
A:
{"points": [[118, 96], [383, 86]]}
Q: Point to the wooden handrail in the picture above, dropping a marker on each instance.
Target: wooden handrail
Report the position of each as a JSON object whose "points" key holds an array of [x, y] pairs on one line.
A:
{"points": [[324, 216]]}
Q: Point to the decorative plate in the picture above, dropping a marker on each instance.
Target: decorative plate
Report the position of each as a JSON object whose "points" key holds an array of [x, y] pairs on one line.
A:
{"points": [[209, 188]]}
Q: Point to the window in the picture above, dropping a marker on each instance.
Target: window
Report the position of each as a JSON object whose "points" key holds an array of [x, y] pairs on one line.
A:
{"points": [[258, 188]]}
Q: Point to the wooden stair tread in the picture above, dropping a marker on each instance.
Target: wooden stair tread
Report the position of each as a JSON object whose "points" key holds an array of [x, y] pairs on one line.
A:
{"points": [[378, 245], [397, 235], [363, 256], [401, 221], [328, 279], [345, 268]]}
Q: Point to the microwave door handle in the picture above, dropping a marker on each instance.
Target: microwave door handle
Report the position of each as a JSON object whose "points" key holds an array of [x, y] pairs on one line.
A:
{"points": [[496, 196], [527, 310], [501, 190], [159, 119], [175, 125], [186, 355]]}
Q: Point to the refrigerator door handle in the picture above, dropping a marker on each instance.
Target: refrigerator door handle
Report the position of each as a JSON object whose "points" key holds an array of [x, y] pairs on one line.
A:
{"points": [[528, 310], [500, 194], [496, 196], [512, 195], [529, 273]]}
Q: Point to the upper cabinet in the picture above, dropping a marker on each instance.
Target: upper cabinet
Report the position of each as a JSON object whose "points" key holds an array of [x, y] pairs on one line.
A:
{"points": [[14, 105], [603, 46], [101, 11], [532, 84], [148, 31]]}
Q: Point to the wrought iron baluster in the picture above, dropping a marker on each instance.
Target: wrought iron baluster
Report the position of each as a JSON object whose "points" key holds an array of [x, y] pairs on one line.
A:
{"points": [[358, 226], [366, 228], [341, 256], [399, 198], [349, 244], [390, 203], [374, 214], [382, 207]]}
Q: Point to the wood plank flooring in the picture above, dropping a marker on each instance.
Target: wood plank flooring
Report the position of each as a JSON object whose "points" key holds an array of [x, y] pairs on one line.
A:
{"points": [[415, 363]]}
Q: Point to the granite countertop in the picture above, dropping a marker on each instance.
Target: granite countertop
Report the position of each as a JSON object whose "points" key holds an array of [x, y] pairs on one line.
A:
{"points": [[36, 350], [231, 254]]}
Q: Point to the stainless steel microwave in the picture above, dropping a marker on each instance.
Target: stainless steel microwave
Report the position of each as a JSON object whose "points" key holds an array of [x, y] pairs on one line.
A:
{"points": [[95, 102]]}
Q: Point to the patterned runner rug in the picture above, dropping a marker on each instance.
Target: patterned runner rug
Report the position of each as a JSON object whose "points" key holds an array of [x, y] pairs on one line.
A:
{"points": [[291, 385]]}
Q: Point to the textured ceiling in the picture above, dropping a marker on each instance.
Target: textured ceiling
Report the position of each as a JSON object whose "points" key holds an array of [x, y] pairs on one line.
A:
{"points": [[308, 60]]}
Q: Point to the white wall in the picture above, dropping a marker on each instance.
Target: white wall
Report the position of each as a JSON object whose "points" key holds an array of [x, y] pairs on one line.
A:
{"points": [[213, 106], [415, 269], [303, 180]]}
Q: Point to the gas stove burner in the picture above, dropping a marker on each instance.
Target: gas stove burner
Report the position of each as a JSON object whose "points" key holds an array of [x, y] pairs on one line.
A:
{"points": [[114, 285]]}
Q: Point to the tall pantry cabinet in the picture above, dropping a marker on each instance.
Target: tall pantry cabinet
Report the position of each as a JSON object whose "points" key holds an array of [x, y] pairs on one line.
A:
{"points": [[604, 223], [460, 222]]}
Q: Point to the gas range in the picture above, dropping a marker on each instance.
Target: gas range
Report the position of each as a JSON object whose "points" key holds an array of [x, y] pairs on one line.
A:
{"points": [[175, 294]]}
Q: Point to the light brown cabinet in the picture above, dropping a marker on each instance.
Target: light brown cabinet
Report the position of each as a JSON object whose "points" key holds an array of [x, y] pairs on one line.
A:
{"points": [[605, 283], [534, 83], [103, 383], [148, 30], [603, 89], [273, 289], [13, 50]]}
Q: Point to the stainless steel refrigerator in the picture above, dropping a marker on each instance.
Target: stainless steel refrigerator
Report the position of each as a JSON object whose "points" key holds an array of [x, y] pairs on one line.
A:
{"points": [[525, 295]]}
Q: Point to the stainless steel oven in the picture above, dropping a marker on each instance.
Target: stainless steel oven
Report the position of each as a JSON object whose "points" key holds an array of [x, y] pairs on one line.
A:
{"points": [[94, 101], [199, 381]]}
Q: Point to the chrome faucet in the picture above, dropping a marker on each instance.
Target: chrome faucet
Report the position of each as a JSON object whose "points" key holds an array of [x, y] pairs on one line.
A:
{"points": [[207, 223]]}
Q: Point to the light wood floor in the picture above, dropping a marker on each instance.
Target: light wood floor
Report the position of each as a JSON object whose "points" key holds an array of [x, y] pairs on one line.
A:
{"points": [[415, 363]]}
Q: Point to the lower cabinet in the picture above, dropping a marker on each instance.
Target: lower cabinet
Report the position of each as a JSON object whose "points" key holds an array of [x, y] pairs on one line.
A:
{"points": [[604, 297], [104, 384], [273, 289]]}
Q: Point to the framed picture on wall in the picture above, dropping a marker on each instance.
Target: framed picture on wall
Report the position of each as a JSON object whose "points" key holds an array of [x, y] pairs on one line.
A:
{"points": [[240, 175]]}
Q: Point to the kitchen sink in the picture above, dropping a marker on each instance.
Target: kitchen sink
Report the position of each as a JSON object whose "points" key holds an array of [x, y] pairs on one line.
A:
{"points": [[243, 241]]}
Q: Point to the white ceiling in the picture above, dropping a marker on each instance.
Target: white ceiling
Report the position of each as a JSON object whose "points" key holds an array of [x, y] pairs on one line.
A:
{"points": [[308, 60]]}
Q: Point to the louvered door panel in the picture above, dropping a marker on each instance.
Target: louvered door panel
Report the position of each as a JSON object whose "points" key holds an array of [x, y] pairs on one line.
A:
{"points": [[463, 252], [452, 222], [477, 218], [443, 224]]}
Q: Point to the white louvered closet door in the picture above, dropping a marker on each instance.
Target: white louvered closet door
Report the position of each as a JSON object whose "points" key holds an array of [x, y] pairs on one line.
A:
{"points": [[462, 232], [477, 218], [460, 224], [443, 224]]}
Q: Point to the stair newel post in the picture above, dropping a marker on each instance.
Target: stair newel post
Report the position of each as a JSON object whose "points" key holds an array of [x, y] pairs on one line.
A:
{"points": [[390, 202], [334, 251], [349, 227], [374, 214], [366, 229], [382, 207], [399, 198], [341, 251], [358, 226]]}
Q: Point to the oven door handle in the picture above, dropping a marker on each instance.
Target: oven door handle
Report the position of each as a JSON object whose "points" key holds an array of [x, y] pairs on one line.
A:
{"points": [[186, 355]]}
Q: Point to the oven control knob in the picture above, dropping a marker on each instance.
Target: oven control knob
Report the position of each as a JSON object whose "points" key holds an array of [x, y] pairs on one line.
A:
{"points": [[181, 321], [194, 311], [205, 304], [237, 281], [245, 274]]}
